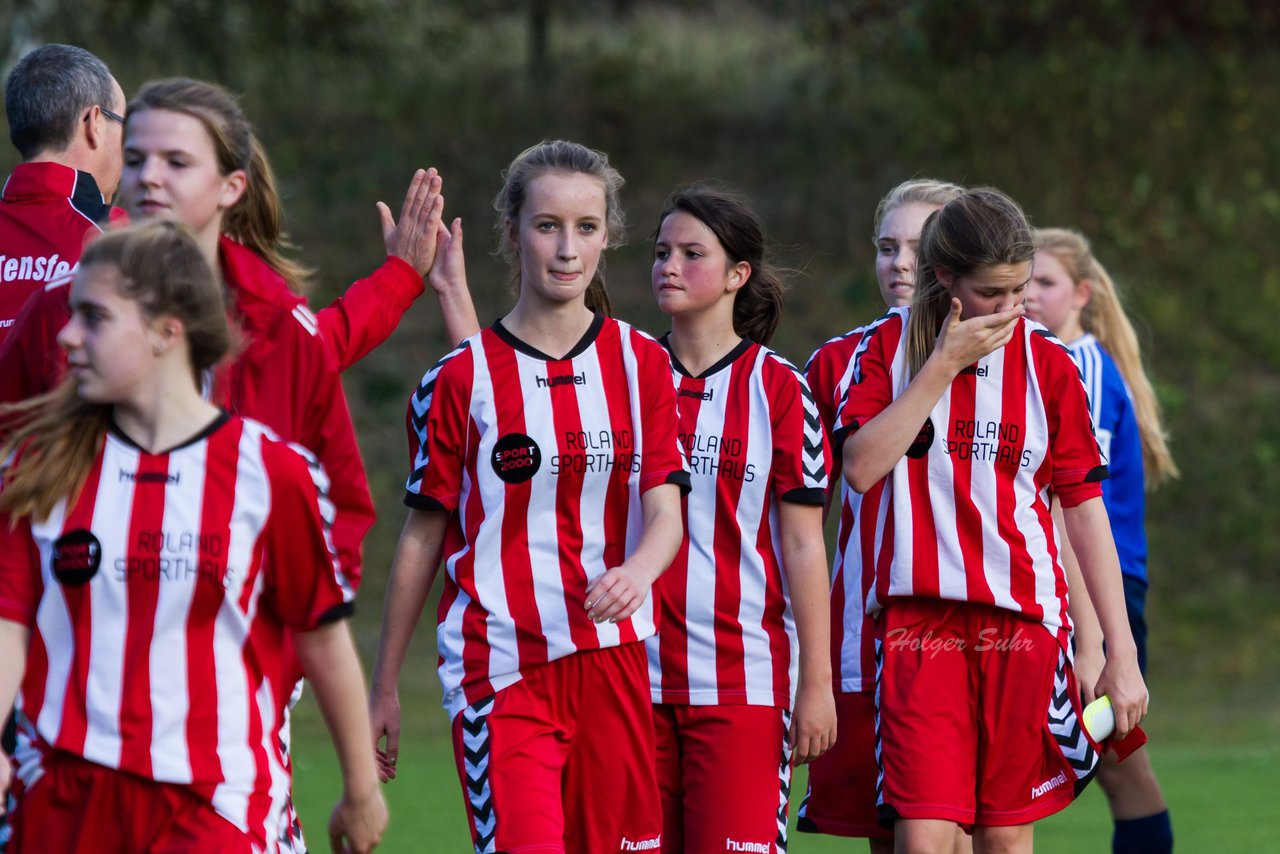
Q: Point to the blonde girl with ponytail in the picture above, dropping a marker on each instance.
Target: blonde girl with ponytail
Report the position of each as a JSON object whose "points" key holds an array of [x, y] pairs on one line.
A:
{"points": [[547, 476], [1093, 308], [1073, 295]]}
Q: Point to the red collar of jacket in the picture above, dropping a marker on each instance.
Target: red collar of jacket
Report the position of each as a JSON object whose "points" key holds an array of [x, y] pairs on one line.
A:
{"points": [[48, 180]]}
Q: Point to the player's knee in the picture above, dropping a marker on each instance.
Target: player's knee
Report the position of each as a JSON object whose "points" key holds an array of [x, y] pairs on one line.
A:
{"points": [[1135, 772], [924, 837], [1002, 840]]}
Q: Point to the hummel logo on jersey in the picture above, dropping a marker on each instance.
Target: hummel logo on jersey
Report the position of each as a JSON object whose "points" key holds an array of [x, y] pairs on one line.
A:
{"points": [[1049, 785], [754, 847], [653, 844], [974, 371], [567, 379], [150, 477], [697, 395]]}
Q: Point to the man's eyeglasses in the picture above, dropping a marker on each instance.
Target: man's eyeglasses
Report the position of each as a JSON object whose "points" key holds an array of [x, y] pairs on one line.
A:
{"points": [[115, 117]]}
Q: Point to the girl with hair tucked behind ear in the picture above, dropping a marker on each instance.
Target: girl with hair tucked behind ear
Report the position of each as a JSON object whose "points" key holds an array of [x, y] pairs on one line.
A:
{"points": [[546, 472], [1073, 295], [162, 565], [978, 419]]}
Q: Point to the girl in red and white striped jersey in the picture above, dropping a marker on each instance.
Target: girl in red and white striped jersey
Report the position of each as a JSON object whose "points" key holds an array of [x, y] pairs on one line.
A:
{"points": [[160, 560], [978, 418], [740, 667], [841, 799], [546, 471]]}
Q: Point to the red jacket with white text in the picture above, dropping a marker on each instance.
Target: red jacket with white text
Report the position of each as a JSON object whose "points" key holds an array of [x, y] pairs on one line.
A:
{"points": [[47, 212]]}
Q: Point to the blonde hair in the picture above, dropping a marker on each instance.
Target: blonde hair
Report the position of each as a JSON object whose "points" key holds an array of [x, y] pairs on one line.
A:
{"points": [[257, 218], [917, 191], [59, 433], [979, 228], [1104, 317], [567, 158]]}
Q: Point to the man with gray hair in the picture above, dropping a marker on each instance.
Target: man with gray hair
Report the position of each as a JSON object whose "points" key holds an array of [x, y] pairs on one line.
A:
{"points": [[66, 117]]}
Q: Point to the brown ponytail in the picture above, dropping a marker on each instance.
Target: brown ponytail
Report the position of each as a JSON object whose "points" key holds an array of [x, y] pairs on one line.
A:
{"points": [[257, 218], [979, 228]]}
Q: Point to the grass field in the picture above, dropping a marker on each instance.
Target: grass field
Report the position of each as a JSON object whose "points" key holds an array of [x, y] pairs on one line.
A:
{"points": [[1220, 787]]}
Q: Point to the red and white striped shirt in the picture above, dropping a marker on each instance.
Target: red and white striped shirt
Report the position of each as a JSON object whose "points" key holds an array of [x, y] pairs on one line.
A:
{"points": [[160, 606], [858, 534], [753, 437], [542, 463], [970, 516]]}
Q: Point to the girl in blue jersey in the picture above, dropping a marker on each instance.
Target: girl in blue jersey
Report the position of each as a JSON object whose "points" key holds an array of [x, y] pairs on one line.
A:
{"points": [[1072, 294]]}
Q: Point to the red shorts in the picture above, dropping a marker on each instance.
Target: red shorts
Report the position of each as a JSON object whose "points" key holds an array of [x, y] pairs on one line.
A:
{"points": [[562, 761], [841, 800], [725, 776], [78, 806], [978, 717]]}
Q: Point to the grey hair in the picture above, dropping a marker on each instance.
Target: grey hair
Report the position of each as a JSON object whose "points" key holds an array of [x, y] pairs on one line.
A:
{"points": [[47, 91]]}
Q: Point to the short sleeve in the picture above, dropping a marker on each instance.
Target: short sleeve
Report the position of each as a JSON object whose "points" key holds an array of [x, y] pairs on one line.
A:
{"points": [[663, 459], [436, 423], [820, 374], [871, 384], [801, 455], [304, 581], [20, 580], [1123, 454], [1077, 464]]}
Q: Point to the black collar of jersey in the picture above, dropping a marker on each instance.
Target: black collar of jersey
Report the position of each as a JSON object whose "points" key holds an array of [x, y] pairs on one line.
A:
{"points": [[209, 429], [588, 338], [729, 358], [88, 200]]}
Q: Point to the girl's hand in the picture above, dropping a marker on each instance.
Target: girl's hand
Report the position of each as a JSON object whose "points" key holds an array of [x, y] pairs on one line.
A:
{"points": [[450, 270], [413, 239], [1121, 680], [1089, 661], [963, 342], [358, 821], [384, 719], [813, 723], [617, 594]]}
